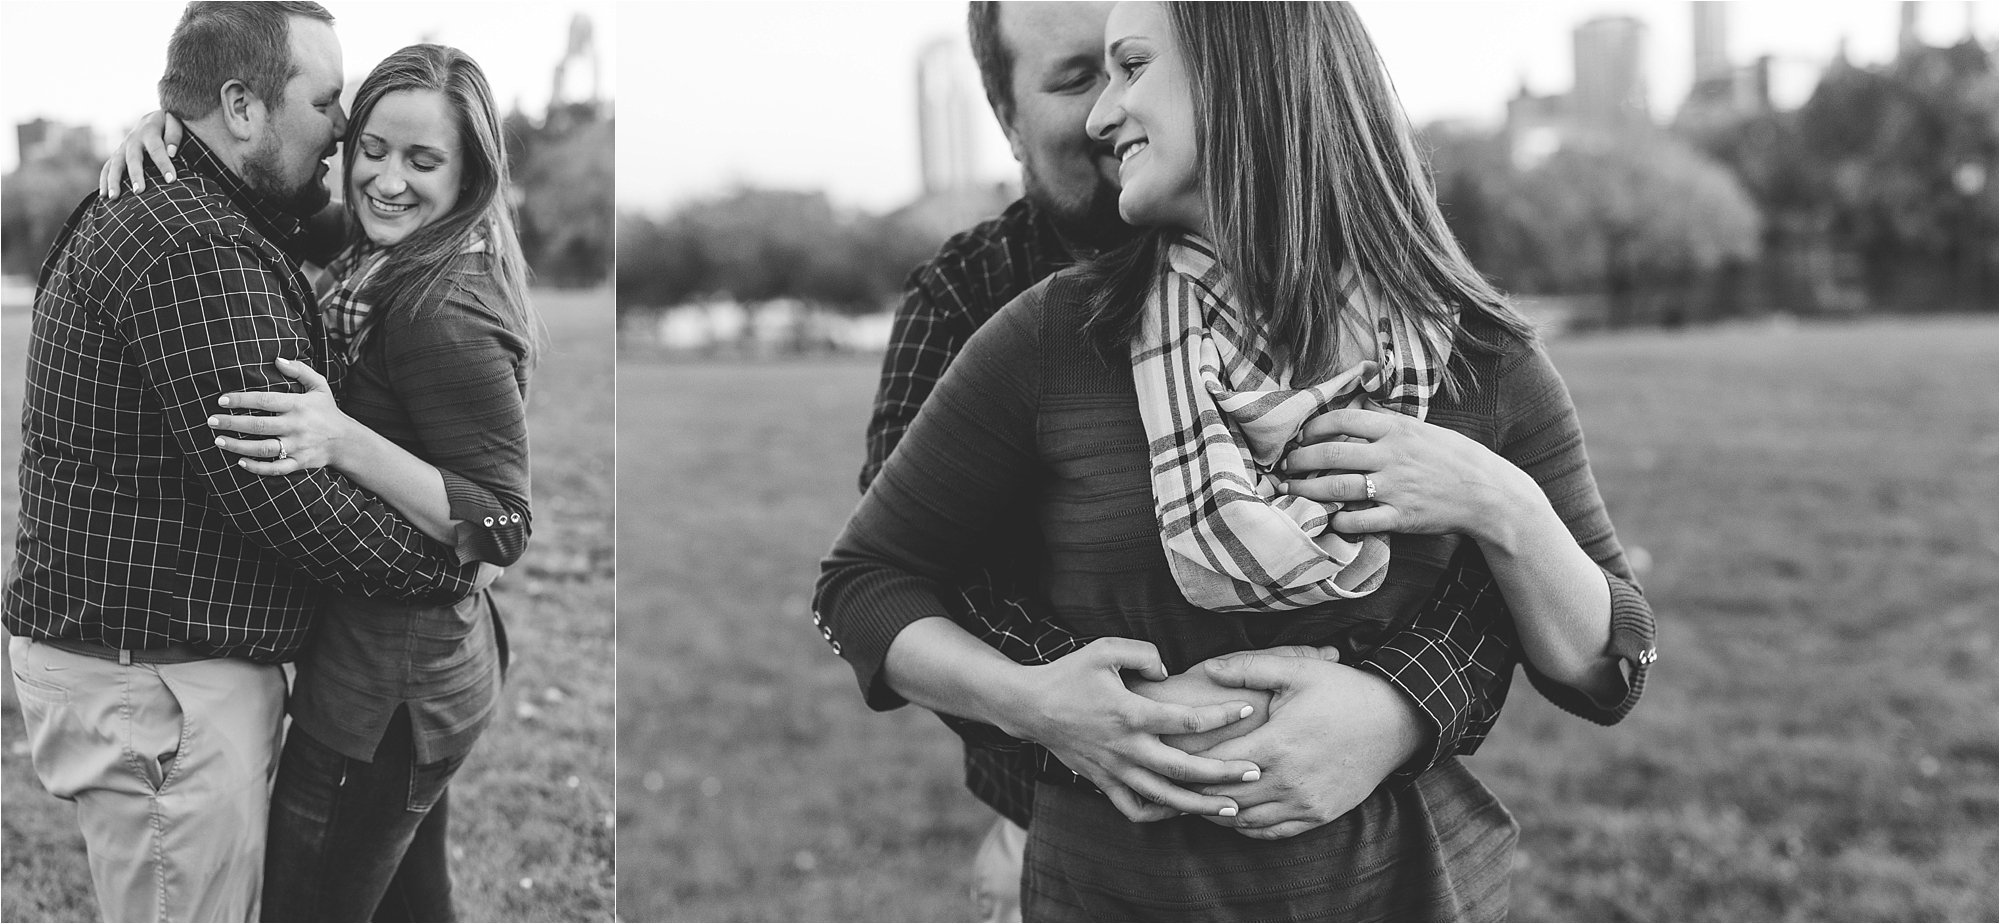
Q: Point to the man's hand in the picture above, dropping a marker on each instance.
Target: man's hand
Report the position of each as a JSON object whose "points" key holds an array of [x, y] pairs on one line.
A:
{"points": [[1334, 733], [1195, 688], [1078, 708]]}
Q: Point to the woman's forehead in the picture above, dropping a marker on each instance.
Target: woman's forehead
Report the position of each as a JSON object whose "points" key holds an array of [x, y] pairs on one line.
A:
{"points": [[414, 117]]}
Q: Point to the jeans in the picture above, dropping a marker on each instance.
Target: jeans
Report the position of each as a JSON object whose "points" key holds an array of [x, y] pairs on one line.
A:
{"points": [[355, 840], [168, 765]]}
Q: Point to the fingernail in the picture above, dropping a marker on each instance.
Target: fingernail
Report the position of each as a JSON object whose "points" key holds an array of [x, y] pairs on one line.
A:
{"points": [[224, 400], [283, 361], [1246, 712], [218, 441], [213, 422], [1228, 811], [1252, 776], [173, 149]]}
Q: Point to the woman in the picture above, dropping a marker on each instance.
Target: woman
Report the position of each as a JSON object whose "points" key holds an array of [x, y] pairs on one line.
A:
{"points": [[1294, 362], [428, 305]]}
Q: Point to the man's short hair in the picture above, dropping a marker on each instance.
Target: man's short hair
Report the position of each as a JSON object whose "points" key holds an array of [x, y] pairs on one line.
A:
{"points": [[219, 42], [995, 59]]}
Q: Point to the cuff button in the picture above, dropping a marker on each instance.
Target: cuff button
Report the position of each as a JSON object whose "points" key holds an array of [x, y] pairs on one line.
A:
{"points": [[489, 521]]}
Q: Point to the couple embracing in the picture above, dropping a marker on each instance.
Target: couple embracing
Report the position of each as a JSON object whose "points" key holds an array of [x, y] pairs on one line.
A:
{"points": [[1213, 495], [225, 469]]}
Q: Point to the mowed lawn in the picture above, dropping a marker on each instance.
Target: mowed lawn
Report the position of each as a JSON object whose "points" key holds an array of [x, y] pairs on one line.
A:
{"points": [[1817, 742], [532, 812]]}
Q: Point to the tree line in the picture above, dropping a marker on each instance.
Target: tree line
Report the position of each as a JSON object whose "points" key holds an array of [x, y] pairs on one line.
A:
{"points": [[1878, 193]]}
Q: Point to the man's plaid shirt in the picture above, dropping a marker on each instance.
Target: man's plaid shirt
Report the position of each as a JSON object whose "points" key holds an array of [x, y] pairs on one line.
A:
{"points": [[136, 531], [1456, 660]]}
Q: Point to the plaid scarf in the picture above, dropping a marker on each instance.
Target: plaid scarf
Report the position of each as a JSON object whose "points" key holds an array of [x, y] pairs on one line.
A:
{"points": [[345, 314], [1220, 415]]}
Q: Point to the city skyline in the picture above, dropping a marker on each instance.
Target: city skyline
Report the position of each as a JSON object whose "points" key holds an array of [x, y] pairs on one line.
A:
{"points": [[842, 92]]}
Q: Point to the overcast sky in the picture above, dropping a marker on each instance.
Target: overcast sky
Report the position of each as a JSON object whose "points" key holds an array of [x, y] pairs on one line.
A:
{"points": [[97, 63], [821, 95]]}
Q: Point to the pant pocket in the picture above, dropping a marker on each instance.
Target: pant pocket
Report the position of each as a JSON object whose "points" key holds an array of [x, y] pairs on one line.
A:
{"points": [[39, 692], [157, 730], [428, 781]]}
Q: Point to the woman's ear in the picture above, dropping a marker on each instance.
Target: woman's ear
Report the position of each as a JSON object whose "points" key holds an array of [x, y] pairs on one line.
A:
{"points": [[242, 112]]}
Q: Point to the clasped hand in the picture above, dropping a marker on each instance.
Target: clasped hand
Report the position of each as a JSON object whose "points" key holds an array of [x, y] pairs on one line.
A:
{"points": [[1428, 480], [1079, 708], [1136, 748], [1333, 734], [306, 429]]}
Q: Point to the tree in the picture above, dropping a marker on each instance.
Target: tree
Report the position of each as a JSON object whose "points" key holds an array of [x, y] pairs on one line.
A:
{"points": [[1630, 216], [758, 244], [566, 223], [39, 196], [1617, 216]]}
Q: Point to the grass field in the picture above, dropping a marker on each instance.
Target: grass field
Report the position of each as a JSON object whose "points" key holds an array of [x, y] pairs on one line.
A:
{"points": [[533, 808], [1818, 742]]}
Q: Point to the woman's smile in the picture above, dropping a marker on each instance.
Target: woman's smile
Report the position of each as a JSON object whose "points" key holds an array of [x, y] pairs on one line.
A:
{"points": [[1146, 103], [1130, 148]]}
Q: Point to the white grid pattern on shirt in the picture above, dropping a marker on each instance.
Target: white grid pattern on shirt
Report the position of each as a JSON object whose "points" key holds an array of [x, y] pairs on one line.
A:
{"points": [[135, 529]]}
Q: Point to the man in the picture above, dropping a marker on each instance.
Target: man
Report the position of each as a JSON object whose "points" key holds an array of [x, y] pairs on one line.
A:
{"points": [[1042, 65], [158, 585]]}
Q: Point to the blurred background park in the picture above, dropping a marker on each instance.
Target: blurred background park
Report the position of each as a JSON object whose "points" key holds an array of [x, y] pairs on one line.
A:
{"points": [[533, 820], [1761, 237]]}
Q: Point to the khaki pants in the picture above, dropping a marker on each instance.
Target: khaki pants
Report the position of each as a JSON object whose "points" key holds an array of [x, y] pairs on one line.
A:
{"points": [[996, 873], [170, 767]]}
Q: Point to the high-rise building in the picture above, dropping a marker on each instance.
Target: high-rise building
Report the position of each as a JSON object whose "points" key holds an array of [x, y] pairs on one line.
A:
{"points": [[41, 139], [1610, 91], [1711, 41], [1722, 92], [578, 78], [945, 113]]}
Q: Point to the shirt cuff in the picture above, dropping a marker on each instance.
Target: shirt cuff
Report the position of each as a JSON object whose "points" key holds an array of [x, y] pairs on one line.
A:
{"points": [[487, 531], [1413, 661], [1632, 642], [882, 609]]}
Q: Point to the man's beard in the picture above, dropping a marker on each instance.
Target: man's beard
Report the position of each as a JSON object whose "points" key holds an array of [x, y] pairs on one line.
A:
{"points": [[1091, 221], [261, 173]]}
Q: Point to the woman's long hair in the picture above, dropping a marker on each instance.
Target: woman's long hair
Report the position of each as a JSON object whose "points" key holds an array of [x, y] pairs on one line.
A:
{"points": [[422, 260], [1307, 162]]}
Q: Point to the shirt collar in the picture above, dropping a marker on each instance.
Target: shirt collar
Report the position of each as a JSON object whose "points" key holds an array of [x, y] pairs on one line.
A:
{"points": [[195, 157]]}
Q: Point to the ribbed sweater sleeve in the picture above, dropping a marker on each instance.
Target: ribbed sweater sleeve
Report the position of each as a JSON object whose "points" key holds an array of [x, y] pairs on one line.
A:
{"points": [[1539, 433], [969, 455], [454, 366]]}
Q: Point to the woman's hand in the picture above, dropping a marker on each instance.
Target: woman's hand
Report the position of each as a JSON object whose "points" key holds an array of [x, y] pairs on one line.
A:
{"points": [[1333, 735], [1428, 480], [307, 431], [1078, 708], [1195, 688], [157, 138]]}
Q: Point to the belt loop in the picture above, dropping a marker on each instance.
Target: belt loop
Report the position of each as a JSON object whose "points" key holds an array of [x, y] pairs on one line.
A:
{"points": [[125, 657]]}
